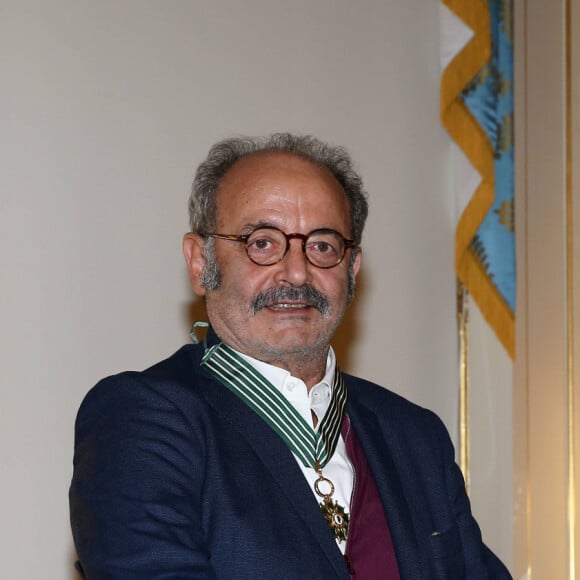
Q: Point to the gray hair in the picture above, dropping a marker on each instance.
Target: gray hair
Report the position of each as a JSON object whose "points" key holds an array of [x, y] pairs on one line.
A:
{"points": [[224, 154]]}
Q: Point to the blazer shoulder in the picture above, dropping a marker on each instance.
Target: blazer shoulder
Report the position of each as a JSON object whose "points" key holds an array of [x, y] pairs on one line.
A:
{"points": [[177, 366], [393, 408], [369, 393], [174, 379]]}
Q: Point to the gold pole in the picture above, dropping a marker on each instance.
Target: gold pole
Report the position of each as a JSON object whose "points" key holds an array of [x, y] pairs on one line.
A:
{"points": [[462, 328], [571, 495]]}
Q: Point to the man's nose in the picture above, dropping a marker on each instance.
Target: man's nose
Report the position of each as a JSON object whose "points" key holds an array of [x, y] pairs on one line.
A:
{"points": [[294, 269]]}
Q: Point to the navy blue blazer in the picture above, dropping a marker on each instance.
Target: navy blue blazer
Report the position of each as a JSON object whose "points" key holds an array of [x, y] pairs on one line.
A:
{"points": [[176, 478]]}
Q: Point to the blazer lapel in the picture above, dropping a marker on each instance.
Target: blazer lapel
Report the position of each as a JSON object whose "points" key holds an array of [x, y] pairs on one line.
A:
{"points": [[279, 462], [382, 464]]}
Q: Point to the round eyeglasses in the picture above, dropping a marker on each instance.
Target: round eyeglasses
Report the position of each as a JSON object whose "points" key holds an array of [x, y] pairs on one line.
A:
{"points": [[267, 245]]}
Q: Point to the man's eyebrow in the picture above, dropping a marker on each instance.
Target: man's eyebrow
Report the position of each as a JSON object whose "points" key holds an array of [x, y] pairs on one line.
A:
{"points": [[259, 224]]}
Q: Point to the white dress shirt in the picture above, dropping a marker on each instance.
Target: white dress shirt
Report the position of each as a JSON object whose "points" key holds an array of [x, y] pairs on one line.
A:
{"points": [[339, 469]]}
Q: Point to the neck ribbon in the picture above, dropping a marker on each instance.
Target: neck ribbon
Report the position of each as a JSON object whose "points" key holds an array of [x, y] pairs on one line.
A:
{"points": [[314, 448]]}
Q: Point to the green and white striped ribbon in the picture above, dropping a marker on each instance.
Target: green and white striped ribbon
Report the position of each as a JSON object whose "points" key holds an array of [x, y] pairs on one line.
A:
{"points": [[313, 448]]}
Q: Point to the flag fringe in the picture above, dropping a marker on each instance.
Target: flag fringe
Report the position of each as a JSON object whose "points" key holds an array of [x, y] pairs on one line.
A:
{"points": [[490, 302]]}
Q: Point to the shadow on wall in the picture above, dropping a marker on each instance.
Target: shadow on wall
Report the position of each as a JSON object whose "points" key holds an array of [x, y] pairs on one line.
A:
{"points": [[195, 312], [73, 574], [350, 328]]}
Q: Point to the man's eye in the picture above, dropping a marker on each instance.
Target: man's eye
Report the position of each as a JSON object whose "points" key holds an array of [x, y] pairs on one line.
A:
{"points": [[261, 244], [322, 247]]}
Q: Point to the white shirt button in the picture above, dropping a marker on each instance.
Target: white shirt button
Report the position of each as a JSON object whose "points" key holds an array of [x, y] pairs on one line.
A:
{"points": [[292, 384]]}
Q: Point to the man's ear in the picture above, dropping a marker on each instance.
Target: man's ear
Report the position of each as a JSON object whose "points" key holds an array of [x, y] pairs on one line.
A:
{"points": [[357, 261], [193, 252]]}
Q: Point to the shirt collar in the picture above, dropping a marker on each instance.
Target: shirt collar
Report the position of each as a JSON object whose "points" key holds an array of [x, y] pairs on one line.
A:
{"points": [[319, 396]]}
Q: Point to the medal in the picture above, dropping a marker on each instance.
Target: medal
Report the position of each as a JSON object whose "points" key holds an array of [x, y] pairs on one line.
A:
{"points": [[334, 513]]}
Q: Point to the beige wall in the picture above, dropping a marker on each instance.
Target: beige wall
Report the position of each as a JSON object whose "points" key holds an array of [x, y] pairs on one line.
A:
{"points": [[106, 108]]}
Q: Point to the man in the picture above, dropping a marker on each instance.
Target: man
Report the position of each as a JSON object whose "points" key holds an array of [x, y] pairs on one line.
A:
{"points": [[251, 456]]}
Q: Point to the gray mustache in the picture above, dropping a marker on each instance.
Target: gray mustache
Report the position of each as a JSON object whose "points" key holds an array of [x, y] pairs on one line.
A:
{"points": [[305, 294]]}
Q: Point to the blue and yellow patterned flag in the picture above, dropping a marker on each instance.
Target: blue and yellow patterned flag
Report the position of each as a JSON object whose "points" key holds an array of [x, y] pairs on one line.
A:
{"points": [[477, 111]]}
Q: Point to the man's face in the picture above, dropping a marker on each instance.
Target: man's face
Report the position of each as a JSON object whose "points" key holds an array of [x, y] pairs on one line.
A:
{"points": [[252, 309]]}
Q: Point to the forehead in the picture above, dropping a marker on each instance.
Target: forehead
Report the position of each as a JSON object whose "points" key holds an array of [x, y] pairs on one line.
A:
{"points": [[282, 189]]}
